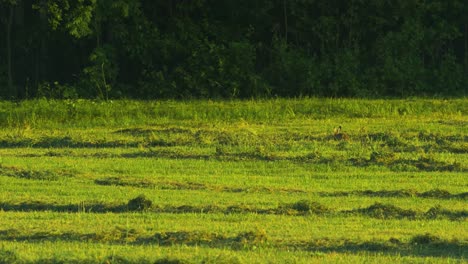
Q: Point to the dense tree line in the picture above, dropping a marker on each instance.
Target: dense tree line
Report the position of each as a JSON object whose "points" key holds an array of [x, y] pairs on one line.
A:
{"points": [[232, 48]]}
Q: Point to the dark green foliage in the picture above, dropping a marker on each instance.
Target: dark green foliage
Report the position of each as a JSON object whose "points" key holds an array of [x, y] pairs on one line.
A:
{"points": [[306, 206], [189, 238], [232, 49], [171, 261], [117, 260], [388, 211], [140, 203], [8, 257], [436, 193], [33, 174], [425, 239], [437, 212], [241, 240], [117, 181], [222, 258], [252, 237], [303, 207]]}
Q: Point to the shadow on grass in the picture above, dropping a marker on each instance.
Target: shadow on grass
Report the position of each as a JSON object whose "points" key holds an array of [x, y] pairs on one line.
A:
{"points": [[32, 206], [300, 208], [120, 181], [176, 185], [434, 193], [131, 236], [394, 163], [420, 245], [425, 245], [149, 131], [62, 142], [389, 211], [29, 174]]}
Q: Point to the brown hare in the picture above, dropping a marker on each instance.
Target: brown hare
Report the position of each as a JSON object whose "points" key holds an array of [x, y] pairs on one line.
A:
{"points": [[338, 135]]}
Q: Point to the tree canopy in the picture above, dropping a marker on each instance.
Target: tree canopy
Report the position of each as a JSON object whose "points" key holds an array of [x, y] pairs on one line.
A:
{"points": [[232, 48]]}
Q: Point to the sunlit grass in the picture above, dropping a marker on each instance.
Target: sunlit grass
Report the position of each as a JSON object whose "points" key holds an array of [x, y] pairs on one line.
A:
{"points": [[234, 181]]}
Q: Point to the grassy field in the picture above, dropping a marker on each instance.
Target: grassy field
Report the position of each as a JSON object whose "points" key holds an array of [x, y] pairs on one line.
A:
{"points": [[234, 181]]}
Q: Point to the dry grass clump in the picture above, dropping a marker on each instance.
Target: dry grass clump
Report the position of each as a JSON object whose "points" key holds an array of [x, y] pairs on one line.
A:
{"points": [[196, 238], [119, 181], [29, 174], [140, 203], [387, 211], [306, 206], [425, 239]]}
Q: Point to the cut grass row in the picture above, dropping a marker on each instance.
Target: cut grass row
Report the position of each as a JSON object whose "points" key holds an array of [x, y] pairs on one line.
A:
{"points": [[258, 185], [365, 137], [277, 227], [149, 183], [246, 240], [324, 235], [302, 207], [75, 252]]}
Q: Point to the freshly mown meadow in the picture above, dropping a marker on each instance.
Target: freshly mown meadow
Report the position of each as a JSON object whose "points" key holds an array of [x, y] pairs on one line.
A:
{"points": [[266, 181]]}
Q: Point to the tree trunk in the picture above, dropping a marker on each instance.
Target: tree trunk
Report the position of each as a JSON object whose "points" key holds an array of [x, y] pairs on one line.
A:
{"points": [[170, 9], [466, 48], [42, 58], [285, 22], [22, 77], [9, 24]]}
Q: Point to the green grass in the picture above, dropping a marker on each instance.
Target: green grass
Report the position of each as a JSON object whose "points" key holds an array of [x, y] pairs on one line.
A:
{"points": [[234, 181]]}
